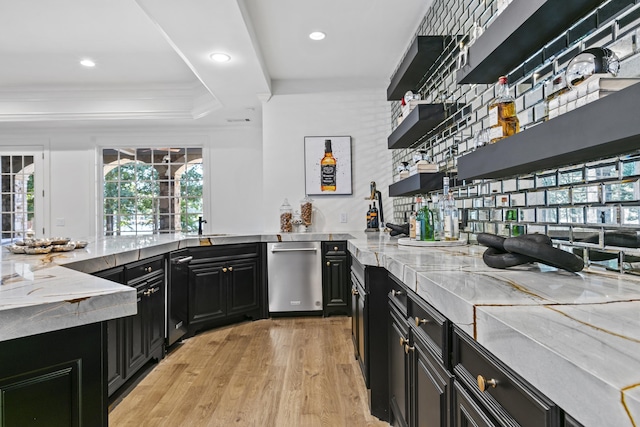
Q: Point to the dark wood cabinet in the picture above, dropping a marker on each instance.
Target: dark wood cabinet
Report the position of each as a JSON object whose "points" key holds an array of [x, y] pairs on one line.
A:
{"points": [[419, 381], [225, 285], [500, 394], [369, 332], [430, 395], [335, 278], [399, 380], [115, 338], [55, 379], [135, 340]]}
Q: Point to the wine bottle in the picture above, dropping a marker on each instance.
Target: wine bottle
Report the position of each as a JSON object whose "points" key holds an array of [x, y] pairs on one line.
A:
{"points": [[328, 169]]}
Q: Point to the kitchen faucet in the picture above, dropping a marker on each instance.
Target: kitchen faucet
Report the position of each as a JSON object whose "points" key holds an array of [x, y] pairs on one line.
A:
{"points": [[200, 222]]}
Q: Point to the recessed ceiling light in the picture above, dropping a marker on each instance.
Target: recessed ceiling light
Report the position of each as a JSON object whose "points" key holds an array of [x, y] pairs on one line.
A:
{"points": [[317, 35], [87, 63], [220, 57]]}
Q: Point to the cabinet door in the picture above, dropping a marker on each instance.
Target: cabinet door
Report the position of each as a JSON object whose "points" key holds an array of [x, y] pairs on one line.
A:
{"points": [[135, 333], [154, 301], [466, 412], [430, 397], [54, 379], [398, 370], [243, 290], [335, 284], [207, 292], [115, 338], [115, 354]]}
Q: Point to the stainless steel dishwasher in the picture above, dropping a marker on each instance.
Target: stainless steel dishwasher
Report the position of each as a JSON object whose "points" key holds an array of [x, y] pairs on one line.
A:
{"points": [[295, 277]]}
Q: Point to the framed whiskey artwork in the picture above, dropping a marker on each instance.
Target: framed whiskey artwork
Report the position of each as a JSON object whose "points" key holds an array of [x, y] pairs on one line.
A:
{"points": [[327, 165]]}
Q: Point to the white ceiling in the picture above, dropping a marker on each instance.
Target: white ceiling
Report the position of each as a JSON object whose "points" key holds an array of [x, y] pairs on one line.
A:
{"points": [[152, 56]]}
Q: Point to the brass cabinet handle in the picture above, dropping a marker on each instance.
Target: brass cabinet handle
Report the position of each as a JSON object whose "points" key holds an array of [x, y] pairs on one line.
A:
{"points": [[354, 292], [328, 263], [224, 269], [150, 291], [484, 383], [230, 268], [395, 293], [407, 349], [420, 321], [403, 341]]}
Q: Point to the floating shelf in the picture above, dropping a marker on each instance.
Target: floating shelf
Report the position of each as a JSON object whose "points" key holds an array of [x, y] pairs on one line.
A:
{"points": [[420, 183], [422, 119], [517, 33], [604, 128], [424, 51]]}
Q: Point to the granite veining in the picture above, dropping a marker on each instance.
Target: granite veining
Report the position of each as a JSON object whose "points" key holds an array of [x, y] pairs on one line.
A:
{"points": [[573, 336]]}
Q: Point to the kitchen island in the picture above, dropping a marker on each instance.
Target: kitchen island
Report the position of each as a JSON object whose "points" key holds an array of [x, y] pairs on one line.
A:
{"points": [[574, 337]]}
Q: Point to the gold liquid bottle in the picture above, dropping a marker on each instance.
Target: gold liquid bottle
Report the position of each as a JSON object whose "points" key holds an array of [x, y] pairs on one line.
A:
{"points": [[328, 169], [502, 113]]}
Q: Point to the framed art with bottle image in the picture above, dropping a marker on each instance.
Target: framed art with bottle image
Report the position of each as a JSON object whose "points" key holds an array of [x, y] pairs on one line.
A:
{"points": [[327, 165]]}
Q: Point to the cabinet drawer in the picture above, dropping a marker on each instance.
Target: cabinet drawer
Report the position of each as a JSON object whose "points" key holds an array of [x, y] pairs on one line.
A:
{"points": [[142, 268], [222, 252], [431, 326], [398, 294], [334, 248], [506, 396]]}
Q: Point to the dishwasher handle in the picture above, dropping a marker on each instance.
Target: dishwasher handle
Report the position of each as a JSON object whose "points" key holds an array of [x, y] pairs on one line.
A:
{"points": [[181, 260], [294, 250]]}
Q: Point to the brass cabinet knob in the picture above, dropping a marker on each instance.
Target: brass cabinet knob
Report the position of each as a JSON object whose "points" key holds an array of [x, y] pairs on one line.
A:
{"points": [[328, 263], [420, 321], [395, 293], [148, 269], [403, 341], [224, 269], [230, 268], [484, 383], [354, 292], [335, 248], [407, 349]]}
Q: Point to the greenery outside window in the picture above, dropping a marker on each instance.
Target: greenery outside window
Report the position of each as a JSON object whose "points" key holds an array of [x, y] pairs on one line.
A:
{"points": [[152, 190], [21, 200]]}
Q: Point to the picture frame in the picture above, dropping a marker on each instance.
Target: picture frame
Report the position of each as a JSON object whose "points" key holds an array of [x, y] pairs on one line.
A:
{"points": [[327, 165]]}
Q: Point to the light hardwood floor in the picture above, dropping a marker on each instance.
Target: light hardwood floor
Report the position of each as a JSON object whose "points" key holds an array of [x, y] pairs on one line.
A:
{"points": [[298, 372]]}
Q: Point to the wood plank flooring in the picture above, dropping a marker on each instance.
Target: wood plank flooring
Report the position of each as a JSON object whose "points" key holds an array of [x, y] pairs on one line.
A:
{"points": [[298, 372]]}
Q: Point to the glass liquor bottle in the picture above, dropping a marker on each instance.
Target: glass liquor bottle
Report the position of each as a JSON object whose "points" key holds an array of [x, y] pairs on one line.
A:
{"points": [[374, 216], [328, 169], [451, 231], [503, 119]]}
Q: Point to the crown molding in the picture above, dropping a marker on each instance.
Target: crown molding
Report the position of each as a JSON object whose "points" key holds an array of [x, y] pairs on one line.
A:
{"points": [[158, 102]]}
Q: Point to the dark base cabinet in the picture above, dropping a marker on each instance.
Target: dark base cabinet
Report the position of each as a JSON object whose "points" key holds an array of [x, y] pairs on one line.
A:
{"points": [[54, 379], [369, 333], [134, 341], [226, 285], [335, 278]]}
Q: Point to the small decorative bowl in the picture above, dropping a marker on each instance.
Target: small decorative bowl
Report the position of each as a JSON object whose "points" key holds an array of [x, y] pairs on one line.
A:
{"points": [[64, 248], [39, 250]]}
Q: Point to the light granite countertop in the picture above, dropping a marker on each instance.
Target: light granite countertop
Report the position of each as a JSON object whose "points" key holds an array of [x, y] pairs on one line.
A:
{"points": [[575, 337], [39, 294]]}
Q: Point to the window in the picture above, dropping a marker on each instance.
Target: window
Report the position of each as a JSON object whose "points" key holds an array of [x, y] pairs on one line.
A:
{"points": [[152, 190], [22, 195]]}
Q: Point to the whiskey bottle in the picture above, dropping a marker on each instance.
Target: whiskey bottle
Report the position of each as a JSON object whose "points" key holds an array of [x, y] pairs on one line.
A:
{"points": [[369, 217], [328, 169], [503, 119], [374, 216]]}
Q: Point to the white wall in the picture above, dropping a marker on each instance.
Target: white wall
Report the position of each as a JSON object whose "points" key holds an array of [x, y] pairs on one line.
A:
{"points": [[287, 119], [233, 156]]}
